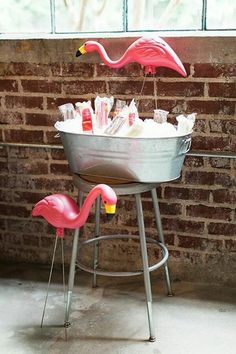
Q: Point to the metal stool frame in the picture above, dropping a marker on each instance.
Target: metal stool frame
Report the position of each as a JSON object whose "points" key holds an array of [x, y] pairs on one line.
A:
{"points": [[122, 189]]}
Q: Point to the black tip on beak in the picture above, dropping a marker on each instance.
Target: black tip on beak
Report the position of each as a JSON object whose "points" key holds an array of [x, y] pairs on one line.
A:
{"points": [[109, 216], [78, 53]]}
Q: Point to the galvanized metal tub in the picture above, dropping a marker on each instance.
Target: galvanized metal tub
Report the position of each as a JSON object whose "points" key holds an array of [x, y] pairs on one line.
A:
{"points": [[128, 159]]}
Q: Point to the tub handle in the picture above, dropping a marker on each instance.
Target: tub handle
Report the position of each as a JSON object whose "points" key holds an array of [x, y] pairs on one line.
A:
{"points": [[185, 146]]}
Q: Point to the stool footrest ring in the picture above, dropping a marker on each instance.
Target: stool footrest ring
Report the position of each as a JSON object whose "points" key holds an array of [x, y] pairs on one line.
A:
{"points": [[164, 250]]}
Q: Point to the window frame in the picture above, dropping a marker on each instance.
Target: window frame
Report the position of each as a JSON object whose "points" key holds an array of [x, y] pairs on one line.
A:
{"points": [[126, 32]]}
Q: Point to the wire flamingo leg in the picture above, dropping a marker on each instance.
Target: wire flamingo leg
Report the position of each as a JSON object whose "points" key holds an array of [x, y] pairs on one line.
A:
{"points": [[49, 280], [141, 91], [155, 89]]}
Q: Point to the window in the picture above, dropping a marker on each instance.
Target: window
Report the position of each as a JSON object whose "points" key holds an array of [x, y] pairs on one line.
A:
{"points": [[97, 16]]}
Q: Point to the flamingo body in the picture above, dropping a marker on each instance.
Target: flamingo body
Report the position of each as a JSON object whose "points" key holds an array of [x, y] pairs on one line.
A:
{"points": [[61, 211], [151, 52]]}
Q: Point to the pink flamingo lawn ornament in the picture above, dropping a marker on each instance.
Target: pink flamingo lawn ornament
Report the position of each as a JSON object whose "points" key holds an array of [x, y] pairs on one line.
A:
{"points": [[62, 212], [151, 52]]}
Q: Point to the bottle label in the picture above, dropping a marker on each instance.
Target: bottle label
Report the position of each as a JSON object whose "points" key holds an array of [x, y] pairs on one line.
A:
{"points": [[87, 120]]}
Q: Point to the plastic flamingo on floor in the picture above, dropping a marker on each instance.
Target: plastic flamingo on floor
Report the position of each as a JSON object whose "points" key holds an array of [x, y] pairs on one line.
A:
{"points": [[62, 212], [151, 52]]}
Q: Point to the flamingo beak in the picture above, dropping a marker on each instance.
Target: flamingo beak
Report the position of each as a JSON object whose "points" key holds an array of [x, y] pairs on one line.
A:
{"points": [[110, 210], [81, 51]]}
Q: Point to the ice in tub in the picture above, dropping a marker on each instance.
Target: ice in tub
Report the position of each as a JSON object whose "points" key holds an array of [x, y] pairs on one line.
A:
{"points": [[150, 129], [137, 129], [155, 130], [72, 122], [70, 126]]}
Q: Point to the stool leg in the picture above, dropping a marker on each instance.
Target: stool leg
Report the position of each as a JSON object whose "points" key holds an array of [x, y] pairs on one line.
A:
{"points": [[146, 274], [97, 234], [161, 237], [72, 269], [63, 268], [63, 277]]}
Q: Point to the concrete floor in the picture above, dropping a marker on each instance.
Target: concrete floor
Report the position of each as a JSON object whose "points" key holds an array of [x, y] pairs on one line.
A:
{"points": [[112, 318]]}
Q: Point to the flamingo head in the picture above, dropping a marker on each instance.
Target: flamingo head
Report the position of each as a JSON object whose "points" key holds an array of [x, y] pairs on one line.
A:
{"points": [[109, 199], [87, 47]]}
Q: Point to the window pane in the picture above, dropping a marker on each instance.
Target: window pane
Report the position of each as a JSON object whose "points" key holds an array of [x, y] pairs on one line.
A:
{"points": [[221, 14], [164, 14], [25, 16], [89, 15]]}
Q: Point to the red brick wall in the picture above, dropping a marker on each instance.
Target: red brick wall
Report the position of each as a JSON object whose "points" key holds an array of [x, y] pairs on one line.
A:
{"points": [[198, 210]]}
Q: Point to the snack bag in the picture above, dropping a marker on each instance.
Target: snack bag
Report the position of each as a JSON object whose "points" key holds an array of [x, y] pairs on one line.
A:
{"points": [[67, 111], [84, 109], [133, 112], [103, 107], [120, 104], [119, 124], [116, 124], [160, 116], [185, 124]]}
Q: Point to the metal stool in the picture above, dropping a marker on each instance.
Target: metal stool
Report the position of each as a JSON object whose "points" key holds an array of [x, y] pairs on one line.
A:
{"points": [[84, 186]]}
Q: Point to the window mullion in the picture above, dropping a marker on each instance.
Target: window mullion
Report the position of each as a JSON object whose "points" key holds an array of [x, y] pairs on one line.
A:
{"points": [[125, 15], [204, 15], [53, 20]]}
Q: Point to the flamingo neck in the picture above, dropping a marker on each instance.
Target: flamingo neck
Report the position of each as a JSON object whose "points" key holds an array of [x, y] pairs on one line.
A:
{"points": [[109, 62], [82, 217]]}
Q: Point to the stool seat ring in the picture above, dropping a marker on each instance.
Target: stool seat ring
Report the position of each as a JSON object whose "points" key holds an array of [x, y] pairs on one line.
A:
{"points": [[120, 189], [165, 255]]}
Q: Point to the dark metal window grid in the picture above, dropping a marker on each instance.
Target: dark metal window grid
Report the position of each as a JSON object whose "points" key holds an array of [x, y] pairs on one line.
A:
{"points": [[126, 24], [125, 20]]}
